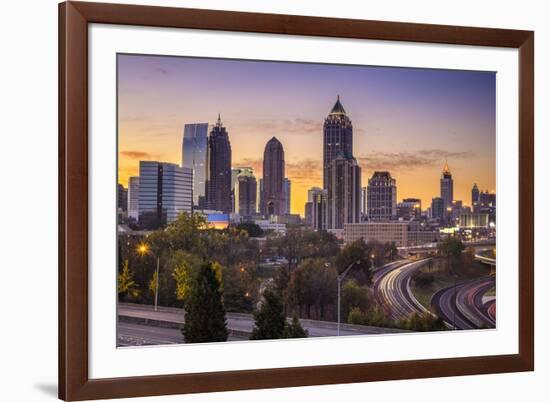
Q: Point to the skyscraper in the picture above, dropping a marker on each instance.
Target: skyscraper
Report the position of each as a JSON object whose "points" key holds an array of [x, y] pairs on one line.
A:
{"points": [[363, 202], [133, 197], [218, 184], [287, 190], [194, 156], [381, 197], [475, 198], [273, 178], [246, 195], [122, 197], [338, 137], [343, 192], [165, 191], [319, 210], [237, 172], [438, 208], [446, 183]]}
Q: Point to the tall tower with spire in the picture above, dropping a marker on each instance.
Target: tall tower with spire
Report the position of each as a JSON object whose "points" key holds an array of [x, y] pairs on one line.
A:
{"points": [[218, 185], [341, 173], [446, 186], [337, 137]]}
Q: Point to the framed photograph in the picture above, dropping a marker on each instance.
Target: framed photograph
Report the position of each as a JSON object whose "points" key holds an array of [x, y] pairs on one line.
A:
{"points": [[260, 200]]}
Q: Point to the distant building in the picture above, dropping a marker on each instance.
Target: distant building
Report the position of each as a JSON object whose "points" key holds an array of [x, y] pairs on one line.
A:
{"points": [[473, 220], [218, 185], [343, 192], [319, 208], [410, 208], [383, 232], [273, 178], [419, 237], [381, 197], [288, 219], [133, 197], [308, 213], [246, 201], [438, 208], [217, 220], [194, 153], [269, 225], [122, 198], [446, 187], [363, 202], [165, 191], [287, 191], [475, 198], [337, 137], [237, 172]]}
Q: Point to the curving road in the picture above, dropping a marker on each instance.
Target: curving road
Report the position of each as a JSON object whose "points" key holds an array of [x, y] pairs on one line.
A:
{"points": [[462, 307], [392, 288]]}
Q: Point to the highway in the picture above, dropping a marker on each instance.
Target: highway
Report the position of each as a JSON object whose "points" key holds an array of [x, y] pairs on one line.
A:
{"points": [[392, 288], [141, 325], [462, 305]]}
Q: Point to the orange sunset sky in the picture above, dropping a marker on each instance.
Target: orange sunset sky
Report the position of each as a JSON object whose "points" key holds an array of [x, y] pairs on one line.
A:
{"points": [[406, 121]]}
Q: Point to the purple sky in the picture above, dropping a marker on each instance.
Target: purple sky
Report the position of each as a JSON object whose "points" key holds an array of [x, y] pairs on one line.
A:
{"points": [[407, 121]]}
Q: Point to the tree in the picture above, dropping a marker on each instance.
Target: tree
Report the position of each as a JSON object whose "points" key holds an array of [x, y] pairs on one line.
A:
{"points": [[451, 248], [294, 329], [269, 321], [313, 288], [422, 323], [355, 296], [240, 288], [184, 267], [358, 253], [204, 311], [252, 229], [127, 287]]}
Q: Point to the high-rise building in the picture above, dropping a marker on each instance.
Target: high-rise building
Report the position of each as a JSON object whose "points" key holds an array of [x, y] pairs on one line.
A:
{"points": [[122, 197], [319, 210], [311, 192], [246, 195], [343, 192], [165, 191], [381, 197], [338, 137], [475, 198], [410, 208], [260, 196], [446, 184], [273, 178], [287, 187], [218, 184], [194, 152], [438, 208], [236, 172], [363, 202], [133, 197], [308, 212]]}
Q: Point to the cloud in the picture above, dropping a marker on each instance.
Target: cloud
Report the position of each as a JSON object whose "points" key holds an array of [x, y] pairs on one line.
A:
{"points": [[409, 160], [304, 170], [136, 154], [297, 126]]}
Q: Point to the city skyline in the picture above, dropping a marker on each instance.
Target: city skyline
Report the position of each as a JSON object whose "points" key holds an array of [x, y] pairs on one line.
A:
{"points": [[404, 133]]}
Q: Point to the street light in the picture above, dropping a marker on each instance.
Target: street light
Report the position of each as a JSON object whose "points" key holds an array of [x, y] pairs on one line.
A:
{"points": [[143, 249], [340, 278]]}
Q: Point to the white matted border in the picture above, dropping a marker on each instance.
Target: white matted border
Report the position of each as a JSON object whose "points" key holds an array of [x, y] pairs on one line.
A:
{"points": [[106, 361]]}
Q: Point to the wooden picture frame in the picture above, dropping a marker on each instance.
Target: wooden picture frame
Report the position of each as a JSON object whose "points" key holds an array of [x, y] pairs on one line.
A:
{"points": [[74, 381]]}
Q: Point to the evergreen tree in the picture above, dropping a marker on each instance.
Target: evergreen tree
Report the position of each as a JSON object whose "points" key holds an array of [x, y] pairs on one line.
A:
{"points": [[127, 286], [269, 321], [204, 310], [294, 329]]}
